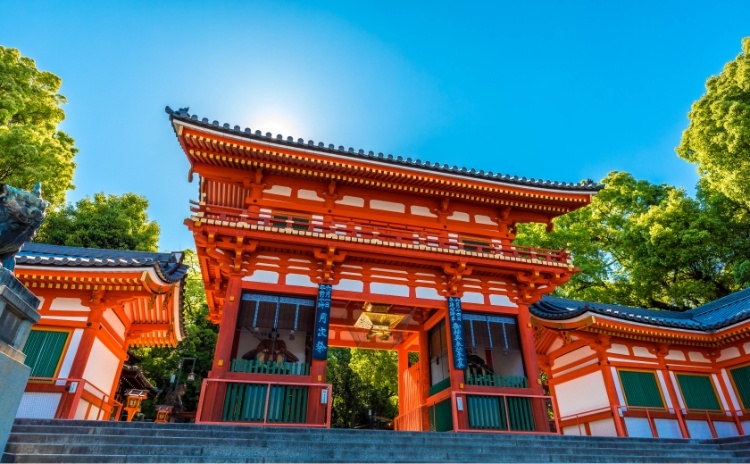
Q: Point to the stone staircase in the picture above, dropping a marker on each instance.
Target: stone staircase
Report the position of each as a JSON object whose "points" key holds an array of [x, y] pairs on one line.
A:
{"points": [[41, 440]]}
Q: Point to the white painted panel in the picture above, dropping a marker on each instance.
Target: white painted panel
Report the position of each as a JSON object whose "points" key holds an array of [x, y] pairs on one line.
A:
{"points": [[732, 394], [102, 367], [83, 406], [349, 285], [675, 355], [729, 353], [698, 429], [638, 427], [576, 366], [279, 190], [618, 386], [672, 378], [726, 429], [67, 304], [746, 347], [572, 357], [387, 206], [308, 195], [746, 427], [667, 397], [603, 428], [502, 300], [722, 398], [459, 216], [473, 297], [422, 211], [111, 317], [35, 405], [574, 430], [351, 201], [64, 318], [571, 401], [697, 356], [267, 277], [428, 293], [642, 352], [70, 354], [617, 348], [301, 280], [94, 413], [482, 219], [389, 289], [668, 428]]}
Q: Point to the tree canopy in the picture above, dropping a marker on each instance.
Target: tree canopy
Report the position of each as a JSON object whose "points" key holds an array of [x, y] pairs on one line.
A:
{"points": [[32, 149], [118, 222], [718, 136], [651, 245]]}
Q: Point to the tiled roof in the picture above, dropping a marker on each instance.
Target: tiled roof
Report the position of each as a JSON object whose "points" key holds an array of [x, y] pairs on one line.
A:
{"points": [[709, 317], [183, 115], [168, 265]]}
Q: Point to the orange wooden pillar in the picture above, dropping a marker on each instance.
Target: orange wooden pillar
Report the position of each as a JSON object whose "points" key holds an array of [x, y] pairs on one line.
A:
{"points": [[456, 355], [213, 402], [317, 403], [531, 366]]}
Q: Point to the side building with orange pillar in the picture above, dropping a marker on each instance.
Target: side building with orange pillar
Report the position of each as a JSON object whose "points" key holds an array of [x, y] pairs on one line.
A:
{"points": [[95, 304], [622, 371], [304, 245]]}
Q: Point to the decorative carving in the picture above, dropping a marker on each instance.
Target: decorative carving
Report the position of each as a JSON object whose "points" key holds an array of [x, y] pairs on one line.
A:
{"points": [[328, 257], [455, 272], [21, 214]]}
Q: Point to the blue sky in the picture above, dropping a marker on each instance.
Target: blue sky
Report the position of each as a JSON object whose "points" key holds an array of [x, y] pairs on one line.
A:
{"points": [[553, 90]]}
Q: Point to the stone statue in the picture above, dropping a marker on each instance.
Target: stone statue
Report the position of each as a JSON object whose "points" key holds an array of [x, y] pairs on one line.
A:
{"points": [[21, 214]]}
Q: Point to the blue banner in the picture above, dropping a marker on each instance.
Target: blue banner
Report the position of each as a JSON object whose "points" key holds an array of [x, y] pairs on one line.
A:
{"points": [[322, 320], [457, 333]]}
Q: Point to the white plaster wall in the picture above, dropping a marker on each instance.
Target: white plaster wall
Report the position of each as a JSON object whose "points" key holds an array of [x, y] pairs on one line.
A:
{"points": [[266, 277], [726, 429], [668, 428], [472, 297], [697, 356], [37, 405], [67, 304], [83, 407], [351, 201], [308, 195], [279, 190], [502, 300], [574, 430], [389, 289], [428, 293], [422, 211], [387, 206], [746, 426], [349, 285], [102, 367], [572, 357], [482, 219], [617, 348], [581, 395], [301, 280], [642, 352], [603, 428], [675, 355], [667, 398], [114, 321], [70, 354], [638, 427], [698, 428], [729, 353], [732, 394], [459, 216]]}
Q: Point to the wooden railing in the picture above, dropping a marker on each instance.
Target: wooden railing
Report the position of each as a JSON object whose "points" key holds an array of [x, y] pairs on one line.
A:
{"points": [[365, 231], [62, 398], [269, 367], [497, 412], [265, 402], [490, 380]]}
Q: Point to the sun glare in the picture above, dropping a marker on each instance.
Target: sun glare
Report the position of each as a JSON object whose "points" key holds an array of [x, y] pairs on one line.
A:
{"points": [[275, 123]]}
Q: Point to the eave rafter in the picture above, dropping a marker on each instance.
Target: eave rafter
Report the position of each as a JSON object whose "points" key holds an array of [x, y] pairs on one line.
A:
{"points": [[233, 154]]}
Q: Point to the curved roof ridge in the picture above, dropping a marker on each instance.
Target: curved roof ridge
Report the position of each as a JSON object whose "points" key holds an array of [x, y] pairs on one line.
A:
{"points": [[183, 114]]}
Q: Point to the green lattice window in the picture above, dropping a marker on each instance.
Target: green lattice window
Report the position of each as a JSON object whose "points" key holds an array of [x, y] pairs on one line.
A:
{"points": [[43, 350], [284, 221], [698, 392], [641, 389], [741, 378]]}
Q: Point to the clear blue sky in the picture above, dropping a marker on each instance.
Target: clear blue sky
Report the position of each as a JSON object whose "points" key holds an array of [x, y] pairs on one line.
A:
{"points": [[553, 90]]}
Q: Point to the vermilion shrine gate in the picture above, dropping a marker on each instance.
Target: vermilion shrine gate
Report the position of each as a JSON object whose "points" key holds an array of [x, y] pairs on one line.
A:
{"points": [[304, 246]]}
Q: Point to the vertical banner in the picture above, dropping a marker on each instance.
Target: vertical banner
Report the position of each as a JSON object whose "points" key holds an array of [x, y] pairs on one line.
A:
{"points": [[457, 333], [322, 319]]}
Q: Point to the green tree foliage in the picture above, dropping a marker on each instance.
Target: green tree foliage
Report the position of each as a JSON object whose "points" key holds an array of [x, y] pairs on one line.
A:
{"points": [[31, 148], [363, 381], [651, 245], [160, 363], [117, 222], [718, 136]]}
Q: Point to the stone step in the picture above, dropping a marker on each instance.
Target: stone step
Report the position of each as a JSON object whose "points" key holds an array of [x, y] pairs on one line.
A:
{"points": [[485, 445]]}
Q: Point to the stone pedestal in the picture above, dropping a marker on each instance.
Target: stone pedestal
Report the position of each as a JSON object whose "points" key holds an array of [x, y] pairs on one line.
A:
{"points": [[18, 312]]}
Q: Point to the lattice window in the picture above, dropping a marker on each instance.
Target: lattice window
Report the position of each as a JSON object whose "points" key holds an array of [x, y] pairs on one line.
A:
{"points": [[288, 221], [641, 389], [44, 350], [741, 381], [476, 245], [698, 392]]}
